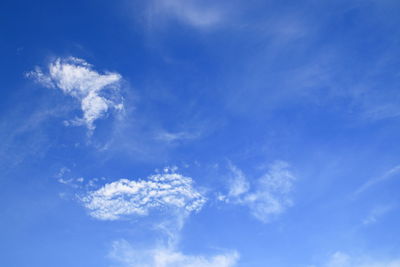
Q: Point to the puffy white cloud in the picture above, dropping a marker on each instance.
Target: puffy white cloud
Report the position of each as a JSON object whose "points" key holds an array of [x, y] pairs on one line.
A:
{"points": [[128, 197], [269, 195], [126, 255], [97, 93], [340, 259]]}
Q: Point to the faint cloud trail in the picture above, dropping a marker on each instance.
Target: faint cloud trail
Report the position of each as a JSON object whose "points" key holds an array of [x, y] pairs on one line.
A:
{"points": [[386, 176]]}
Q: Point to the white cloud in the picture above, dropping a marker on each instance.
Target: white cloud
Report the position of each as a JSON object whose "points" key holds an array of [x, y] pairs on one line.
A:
{"points": [[168, 192], [126, 255], [340, 259], [192, 12], [270, 195], [97, 93], [127, 197]]}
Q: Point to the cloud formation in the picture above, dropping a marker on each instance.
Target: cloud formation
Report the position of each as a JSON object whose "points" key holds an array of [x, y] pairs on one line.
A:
{"points": [[168, 193], [96, 92], [268, 197], [126, 197], [126, 255]]}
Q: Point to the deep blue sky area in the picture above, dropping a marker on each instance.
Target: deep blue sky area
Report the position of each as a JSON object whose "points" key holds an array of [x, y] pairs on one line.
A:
{"points": [[188, 133]]}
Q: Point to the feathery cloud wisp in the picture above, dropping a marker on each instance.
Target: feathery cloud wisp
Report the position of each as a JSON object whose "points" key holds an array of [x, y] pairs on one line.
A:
{"points": [[192, 12], [270, 195]]}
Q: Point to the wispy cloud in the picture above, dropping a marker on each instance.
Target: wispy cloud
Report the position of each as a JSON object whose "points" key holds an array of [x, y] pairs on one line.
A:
{"points": [[238, 183], [171, 137], [340, 259], [15, 148], [73, 182], [387, 175], [376, 213], [125, 197], [96, 92], [192, 12], [268, 197], [124, 253]]}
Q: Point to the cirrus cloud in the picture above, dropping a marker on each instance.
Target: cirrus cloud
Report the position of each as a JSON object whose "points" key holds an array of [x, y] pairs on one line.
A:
{"points": [[270, 194]]}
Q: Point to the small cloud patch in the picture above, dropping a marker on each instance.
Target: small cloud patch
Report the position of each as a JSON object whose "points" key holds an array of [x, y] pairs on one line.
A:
{"points": [[97, 93], [268, 197], [126, 197]]}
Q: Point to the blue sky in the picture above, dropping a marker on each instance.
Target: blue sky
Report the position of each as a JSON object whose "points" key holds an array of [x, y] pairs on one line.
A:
{"points": [[171, 133]]}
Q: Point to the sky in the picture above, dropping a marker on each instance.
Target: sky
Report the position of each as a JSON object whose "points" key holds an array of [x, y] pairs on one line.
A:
{"points": [[188, 133]]}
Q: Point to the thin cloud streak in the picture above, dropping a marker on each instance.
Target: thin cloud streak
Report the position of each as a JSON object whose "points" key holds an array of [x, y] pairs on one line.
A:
{"points": [[386, 176]]}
